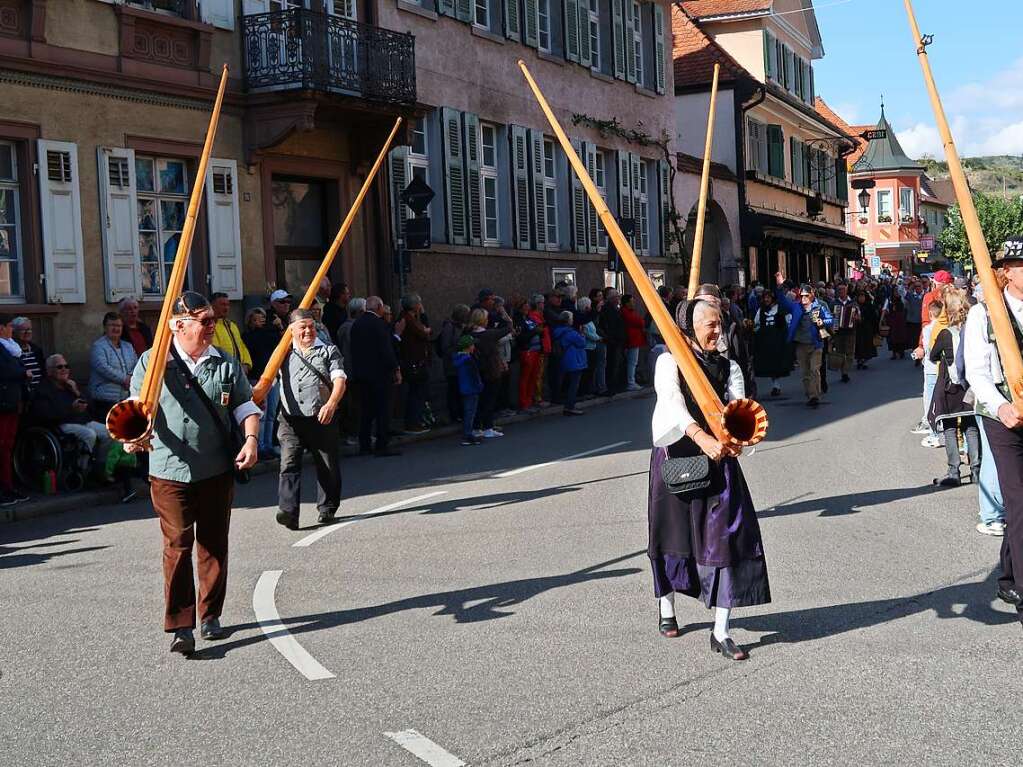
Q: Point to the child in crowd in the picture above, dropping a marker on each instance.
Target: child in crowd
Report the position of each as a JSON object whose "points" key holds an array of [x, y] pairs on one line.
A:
{"points": [[931, 329], [470, 386]]}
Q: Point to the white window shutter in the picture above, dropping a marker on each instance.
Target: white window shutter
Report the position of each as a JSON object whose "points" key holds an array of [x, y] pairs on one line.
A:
{"points": [[224, 228], [219, 13], [61, 208], [118, 207]]}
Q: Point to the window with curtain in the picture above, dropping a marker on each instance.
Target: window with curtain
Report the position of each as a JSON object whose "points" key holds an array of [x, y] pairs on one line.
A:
{"points": [[10, 224], [884, 206], [906, 203], [163, 186]]}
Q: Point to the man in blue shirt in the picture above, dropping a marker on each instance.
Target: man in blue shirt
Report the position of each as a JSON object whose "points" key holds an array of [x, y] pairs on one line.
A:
{"points": [[809, 326]]}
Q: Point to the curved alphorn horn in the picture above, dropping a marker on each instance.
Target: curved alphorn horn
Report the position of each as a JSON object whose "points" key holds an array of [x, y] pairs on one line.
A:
{"points": [[739, 423], [132, 420], [284, 345], [1005, 339]]}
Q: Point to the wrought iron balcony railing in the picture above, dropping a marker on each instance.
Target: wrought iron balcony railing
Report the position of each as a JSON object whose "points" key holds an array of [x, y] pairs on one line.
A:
{"points": [[302, 49]]}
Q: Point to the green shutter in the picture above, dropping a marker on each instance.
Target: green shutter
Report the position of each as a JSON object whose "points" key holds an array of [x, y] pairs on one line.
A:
{"points": [[512, 25], [623, 168], [471, 124], [618, 38], [520, 186], [592, 219], [532, 23], [446, 7], [768, 54], [536, 182], [584, 33], [637, 242], [842, 179], [659, 52], [664, 177], [630, 42], [464, 10], [775, 151], [571, 23], [399, 180], [813, 93], [454, 175], [579, 204]]}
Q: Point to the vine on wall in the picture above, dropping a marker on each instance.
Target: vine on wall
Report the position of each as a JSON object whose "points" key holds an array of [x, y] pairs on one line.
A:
{"points": [[675, 231]]}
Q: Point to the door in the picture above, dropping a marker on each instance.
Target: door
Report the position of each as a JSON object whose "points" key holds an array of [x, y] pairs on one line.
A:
{"points": [[301, 211]]}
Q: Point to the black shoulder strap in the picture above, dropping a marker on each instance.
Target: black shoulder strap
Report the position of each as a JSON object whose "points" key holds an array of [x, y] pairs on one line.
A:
{"points": [[308, 364], [225, 432]]}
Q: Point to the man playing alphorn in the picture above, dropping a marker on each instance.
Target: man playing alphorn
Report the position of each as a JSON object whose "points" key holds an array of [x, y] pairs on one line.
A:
{"points": [[192, 466], [1002, 423]]}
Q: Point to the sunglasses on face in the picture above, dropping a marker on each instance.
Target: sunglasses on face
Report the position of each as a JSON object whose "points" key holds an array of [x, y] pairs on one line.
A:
{"points": [[61, 367], [206, 322]]}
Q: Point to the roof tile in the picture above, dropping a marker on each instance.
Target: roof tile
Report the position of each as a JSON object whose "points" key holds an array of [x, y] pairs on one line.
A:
{"points": [[700, 9]]}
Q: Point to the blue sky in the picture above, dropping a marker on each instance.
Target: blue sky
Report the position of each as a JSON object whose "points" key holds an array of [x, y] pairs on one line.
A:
{"points": [[977, 57]]}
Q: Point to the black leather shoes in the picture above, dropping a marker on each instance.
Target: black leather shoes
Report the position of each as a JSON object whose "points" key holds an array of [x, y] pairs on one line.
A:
{"points": [[1010, 595], [326, 517], [212, 629], [286, 519], [728, 648], [669, 627], [183, 642]]}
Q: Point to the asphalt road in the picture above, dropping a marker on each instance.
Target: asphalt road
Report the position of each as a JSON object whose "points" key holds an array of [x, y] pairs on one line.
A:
{"points": [[508, 616]]}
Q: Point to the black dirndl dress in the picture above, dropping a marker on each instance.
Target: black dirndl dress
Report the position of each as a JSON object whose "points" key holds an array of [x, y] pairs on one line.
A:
{"points": [[709, 548]]}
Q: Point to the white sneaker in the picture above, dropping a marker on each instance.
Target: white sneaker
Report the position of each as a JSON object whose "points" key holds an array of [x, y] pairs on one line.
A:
{"points": [[991, 528], [477, 432], [931, 441], [633, 387], [920, 428], [491, 433]]}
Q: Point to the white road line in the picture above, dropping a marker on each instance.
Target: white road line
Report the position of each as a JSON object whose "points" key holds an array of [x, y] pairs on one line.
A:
{"points": [[265, 607], [424, 749], [323, 532], [524, 469]]}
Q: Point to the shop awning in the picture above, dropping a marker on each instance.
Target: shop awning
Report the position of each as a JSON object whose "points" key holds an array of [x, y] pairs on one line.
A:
{"points": [[780, 228]]}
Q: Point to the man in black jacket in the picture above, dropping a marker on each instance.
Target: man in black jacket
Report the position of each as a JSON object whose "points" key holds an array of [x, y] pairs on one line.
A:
{"points": [[374, 372], [611, 326]]}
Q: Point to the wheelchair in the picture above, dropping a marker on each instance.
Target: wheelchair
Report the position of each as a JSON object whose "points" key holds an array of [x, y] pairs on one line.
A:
{"points": [[39, 450]]}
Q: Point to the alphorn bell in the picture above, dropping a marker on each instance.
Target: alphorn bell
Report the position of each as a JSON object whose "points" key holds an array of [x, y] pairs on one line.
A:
{"points": [[738, 424], [283, 348], [132, 420], [1005, 339]]}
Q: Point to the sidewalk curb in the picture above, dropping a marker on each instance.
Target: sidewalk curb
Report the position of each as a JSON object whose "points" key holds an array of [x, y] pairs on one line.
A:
{"points": [[56, 504]]}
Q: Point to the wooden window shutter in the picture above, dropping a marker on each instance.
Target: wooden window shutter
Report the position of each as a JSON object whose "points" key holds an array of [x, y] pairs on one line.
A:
{"points": [[472, 164], [794, 157], [536, 170], [664, 177], [571, 22], [396, 161], [618, 38], [593, 219], [580, 207], [842, 179], [585, 55], [659, 51], [768, 55], [60, 205], [775, 151], [454, 176], [446, 7], [464, 10], [623, 167], [630, 42], [512, 20], [532, 23], [634, 161], [222, 219], [118, 208], [520, 186]]}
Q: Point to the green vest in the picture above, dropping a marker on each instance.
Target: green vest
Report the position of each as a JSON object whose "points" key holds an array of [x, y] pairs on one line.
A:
{"points": [[187, 443]]}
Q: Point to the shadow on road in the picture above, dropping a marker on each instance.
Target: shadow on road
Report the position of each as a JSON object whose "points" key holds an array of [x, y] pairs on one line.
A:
{"points": [[471, 605], [11, 556], [841, 505]]}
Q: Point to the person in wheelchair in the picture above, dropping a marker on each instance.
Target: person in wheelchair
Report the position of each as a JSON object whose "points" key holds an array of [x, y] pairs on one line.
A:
{"points": [[59, 404]]}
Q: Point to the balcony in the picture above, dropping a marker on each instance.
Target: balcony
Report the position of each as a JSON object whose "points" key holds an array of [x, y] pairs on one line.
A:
{"points": [[298, 49]]}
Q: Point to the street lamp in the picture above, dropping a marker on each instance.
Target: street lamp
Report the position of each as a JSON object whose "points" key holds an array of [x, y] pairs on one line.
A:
{"points": [[864, 198]]}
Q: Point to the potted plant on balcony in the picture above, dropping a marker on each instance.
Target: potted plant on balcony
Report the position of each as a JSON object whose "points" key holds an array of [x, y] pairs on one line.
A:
{"points": [[907, 218], [884, 219]]}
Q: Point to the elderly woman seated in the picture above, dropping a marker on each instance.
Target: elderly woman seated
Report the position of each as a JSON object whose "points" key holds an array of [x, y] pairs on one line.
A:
{"points": [[59, 404]]}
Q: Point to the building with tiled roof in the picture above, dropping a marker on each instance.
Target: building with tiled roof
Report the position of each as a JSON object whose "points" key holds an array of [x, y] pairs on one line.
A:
{"points": [[787, 153]]}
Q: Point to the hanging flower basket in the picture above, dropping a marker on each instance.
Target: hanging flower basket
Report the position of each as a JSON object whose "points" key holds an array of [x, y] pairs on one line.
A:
{"points": [[864, 220]]}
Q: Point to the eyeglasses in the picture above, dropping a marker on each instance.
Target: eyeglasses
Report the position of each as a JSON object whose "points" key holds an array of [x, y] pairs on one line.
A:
{"points": [[206, 322], [61, 367]]}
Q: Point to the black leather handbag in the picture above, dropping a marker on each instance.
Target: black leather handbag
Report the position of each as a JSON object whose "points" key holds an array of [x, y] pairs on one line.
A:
{"points": [[688, 477]]}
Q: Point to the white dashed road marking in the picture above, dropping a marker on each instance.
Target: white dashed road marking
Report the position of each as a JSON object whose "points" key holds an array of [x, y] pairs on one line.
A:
{"points": [[524, 469], [265, 607], [424, 749]]}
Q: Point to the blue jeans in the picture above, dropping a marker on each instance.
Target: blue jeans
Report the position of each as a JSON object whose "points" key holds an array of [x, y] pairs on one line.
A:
{"points": [[631, 360], [469, 405], [930, 379], [991, 507], [268, 420]]}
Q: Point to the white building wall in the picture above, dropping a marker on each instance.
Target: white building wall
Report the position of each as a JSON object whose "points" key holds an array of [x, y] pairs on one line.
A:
{"points": [[691, 119]]}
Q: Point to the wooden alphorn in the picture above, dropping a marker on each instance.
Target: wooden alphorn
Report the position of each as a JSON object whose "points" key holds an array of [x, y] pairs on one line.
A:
{"points": [[701, 210], [280, 353], [1008, 351], [132, 420], [741, 422]]}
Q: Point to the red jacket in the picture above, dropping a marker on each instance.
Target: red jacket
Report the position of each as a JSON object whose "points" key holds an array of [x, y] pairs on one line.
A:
{"points": [[634, 328]]}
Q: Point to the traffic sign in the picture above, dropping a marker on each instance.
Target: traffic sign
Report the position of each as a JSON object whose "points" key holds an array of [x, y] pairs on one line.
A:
{"points": [[417, 195]]}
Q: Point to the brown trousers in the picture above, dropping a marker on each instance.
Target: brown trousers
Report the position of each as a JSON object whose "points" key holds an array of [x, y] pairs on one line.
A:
{"points": [[809, 360], [199, 512]]}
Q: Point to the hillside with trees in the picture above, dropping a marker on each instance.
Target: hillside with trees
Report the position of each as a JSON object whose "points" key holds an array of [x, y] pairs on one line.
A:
{"points": [[998, 175]]}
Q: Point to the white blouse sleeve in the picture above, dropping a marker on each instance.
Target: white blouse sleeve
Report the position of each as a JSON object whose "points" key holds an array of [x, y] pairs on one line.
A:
{"points": [[736, 383], [671, 416]]}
